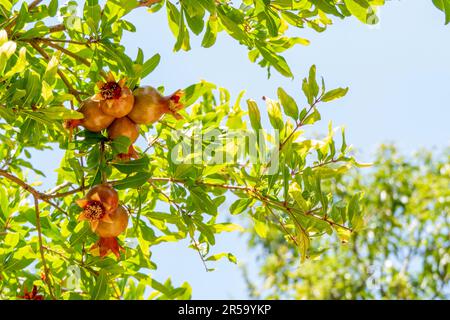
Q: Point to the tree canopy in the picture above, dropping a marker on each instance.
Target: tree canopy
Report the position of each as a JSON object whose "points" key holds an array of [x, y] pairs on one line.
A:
{"points": [[403, 251]]}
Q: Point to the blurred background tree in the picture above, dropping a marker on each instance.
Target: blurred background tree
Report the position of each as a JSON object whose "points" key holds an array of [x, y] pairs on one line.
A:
{"points": [[402, 253]]}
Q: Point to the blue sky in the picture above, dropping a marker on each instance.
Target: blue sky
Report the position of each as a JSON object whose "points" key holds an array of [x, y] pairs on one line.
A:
{"points": [[398, 74]]}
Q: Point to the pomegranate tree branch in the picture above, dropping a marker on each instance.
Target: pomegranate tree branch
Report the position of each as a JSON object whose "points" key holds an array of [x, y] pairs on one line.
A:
{"points": [[183, 212], [64, 50], [41, 247], [63, 77], [147, 3], [34, 4], [253, 192], [283, 226], [35, 193], [56, 28]]}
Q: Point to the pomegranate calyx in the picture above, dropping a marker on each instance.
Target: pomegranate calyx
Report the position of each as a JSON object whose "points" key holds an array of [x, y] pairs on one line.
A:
{"points": [[106, 245]]}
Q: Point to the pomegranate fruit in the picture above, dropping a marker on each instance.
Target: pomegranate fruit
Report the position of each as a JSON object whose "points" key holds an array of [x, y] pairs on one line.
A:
{"points": [[118, 98], [150, 105], [105, 245], [123, 127], [94, 119], [98, 205], [118, 225]]}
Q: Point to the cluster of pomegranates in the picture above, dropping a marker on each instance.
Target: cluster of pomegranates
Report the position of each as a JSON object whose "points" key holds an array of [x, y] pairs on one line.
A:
{"points": [[107, 218], [119, 110]]}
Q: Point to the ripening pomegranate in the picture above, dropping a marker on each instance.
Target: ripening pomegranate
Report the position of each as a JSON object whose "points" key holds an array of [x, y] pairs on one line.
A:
{"points": [[118, 98], [98, 205], [123, 127], [150, 105], [118, 225], [94, 119]]}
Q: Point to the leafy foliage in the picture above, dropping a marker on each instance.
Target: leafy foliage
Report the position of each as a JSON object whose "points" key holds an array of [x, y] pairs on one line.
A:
{"points": [[47, 70], [402, 253]]}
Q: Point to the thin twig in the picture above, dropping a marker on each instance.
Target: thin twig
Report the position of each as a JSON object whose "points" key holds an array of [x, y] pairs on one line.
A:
{"points": [[30, 189], [195, 244], [63, 77], [65, 51], [61, 186], [41, 248], [56, 28], [64, 41], [34, 4], [147, 3], [282, 225]]}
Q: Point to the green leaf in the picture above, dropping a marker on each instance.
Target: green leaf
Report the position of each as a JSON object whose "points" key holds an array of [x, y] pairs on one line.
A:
{"points": [[129, 167], [206, 231], [6, 4], [288, 103], [3, 36], [79, 235], [202, 201], [226, 227], [133, 182], [303, 243], [362, 10], [8, 49], [4, 205], [261, 228], [277, 61], [312, 117], [150, 65], [20, 65], [444, 5], [334, 94], [120, 144], [12, 239], [274, 111], [100, 290], [211, 32], [312, 82], [240, 206], [53, 8], [61, 113], [254, 115], [219, 256]]}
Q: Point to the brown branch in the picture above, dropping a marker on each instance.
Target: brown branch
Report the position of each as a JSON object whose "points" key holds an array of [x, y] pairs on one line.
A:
{"points": [[63, 194], [251, 190], [63, 77], [64, 50], [299, 124], [147, 3], [34, 4], [35, 193], [41, 248], [65, 41], [56, 28]]}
